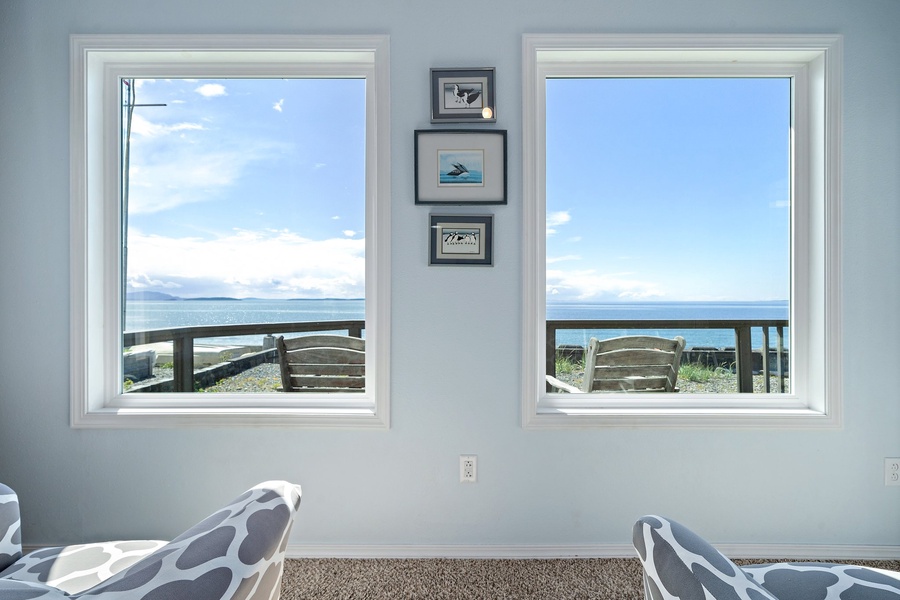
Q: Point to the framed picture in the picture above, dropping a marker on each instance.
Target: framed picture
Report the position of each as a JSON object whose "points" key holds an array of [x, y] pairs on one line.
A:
{"points": [[460, 166], [461, 240], [462, 96]]}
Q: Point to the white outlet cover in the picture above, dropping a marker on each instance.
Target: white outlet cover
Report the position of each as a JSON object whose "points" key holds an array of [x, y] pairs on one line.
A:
{"points": [[892, 471], [466, 474]]}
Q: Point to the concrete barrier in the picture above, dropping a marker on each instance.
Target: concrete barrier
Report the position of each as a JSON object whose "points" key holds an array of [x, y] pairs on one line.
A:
{"points": [[138, 365], [204, 354]]}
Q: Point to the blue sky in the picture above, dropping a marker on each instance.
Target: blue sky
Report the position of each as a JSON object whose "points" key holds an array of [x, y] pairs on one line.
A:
{"points": [[657, 189], [248, 188], [668, 189]]}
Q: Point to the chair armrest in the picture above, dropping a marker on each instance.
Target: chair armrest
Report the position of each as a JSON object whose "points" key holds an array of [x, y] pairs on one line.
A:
{"points": [[562, 386], [10, 527], [820, 580], [78, 567], [16, 590]]}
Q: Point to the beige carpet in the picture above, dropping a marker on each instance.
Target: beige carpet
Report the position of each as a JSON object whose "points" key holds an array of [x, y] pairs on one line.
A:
{"points": [[463, 579], [456, 579]]}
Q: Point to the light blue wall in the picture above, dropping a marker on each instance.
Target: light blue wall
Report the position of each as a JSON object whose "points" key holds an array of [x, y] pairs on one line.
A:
{"points": [[400, 486]]}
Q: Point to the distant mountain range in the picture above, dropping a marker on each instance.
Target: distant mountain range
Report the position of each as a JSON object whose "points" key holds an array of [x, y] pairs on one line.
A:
{"points": [[162, 296]]}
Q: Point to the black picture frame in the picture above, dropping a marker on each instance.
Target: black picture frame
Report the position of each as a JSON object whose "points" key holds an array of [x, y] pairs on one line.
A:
{"points": [[463, 96], [461, 240], [460, 166]]}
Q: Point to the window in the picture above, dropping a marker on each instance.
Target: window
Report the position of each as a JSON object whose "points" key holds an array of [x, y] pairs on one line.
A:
{"points": [[623, 133], [222, 183]]}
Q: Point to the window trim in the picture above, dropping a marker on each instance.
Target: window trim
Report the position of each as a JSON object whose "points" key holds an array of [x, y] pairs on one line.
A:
{"points": [[97, 61], [815, 63]]}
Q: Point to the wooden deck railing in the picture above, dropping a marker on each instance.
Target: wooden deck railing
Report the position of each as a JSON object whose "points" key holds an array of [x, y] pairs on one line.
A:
{"points": [[182, 339], [742, 344]]}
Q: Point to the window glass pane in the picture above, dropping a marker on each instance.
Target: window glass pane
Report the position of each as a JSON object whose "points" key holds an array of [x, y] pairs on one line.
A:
{"points": [[668, 199], [243, 203]]}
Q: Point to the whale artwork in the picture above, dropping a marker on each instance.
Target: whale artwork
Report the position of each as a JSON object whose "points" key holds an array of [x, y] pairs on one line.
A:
{"points": [[463, 168]]}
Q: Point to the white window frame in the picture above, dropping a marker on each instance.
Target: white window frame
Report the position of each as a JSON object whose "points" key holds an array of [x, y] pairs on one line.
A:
{"points": [[97, 63], [814, 62]]}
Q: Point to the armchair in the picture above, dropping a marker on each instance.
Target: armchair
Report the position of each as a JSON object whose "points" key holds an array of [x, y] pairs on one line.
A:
{"points": [[237, 553], [679, 564]]}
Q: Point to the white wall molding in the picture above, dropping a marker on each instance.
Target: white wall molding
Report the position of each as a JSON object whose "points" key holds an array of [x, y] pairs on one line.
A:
{"points": [[763, 551], [524, 552]]}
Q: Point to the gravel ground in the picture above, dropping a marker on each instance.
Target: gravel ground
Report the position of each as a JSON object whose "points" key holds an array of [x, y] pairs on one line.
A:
{"points": [[262, 378], [718, 383], [267, 378]]}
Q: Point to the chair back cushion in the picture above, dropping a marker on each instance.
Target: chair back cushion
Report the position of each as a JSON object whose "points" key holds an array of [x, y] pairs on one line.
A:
{"points": [[679, 564], [236, 553]]}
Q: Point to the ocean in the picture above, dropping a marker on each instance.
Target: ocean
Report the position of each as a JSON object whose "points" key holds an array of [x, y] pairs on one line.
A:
{"points": [[698, 311], [157, 314]]}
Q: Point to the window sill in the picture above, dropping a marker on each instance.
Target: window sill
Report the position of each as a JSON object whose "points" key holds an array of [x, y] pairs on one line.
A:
{"points": [[146, 411], [697, 412]]}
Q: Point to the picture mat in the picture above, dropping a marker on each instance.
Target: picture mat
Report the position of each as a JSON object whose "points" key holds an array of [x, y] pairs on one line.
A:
{"points": [[471, 242], [493, 190]]}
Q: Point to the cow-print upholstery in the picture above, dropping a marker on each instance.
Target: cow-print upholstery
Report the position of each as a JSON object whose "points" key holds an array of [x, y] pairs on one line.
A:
{"points": [[10, 528], [679, 564], [74, 569], [235, 554]]}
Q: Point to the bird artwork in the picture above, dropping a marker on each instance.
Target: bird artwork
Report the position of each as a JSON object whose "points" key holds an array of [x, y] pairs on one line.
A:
{"points": [[469, 97], [459, 170], [465, 96], [457, 93]]}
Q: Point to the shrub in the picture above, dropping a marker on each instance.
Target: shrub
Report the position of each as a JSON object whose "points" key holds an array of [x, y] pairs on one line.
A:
{"points": [[567, 366], [701, 373]]}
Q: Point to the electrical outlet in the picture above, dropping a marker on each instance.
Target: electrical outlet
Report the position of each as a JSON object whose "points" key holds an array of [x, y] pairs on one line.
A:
{"points": [[468, 468], [892, 471]]}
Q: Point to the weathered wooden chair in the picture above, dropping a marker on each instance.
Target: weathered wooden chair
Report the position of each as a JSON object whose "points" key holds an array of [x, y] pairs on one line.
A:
{"points": [[322, 363], [631, 363]]}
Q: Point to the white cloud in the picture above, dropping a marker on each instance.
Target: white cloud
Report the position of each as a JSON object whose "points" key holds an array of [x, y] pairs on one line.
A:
{"points": [[166, 172], [141, 126], [555, 219], [140, 281], [567, 257], [589, 285], [244, 263], [279, 105], [210, 90], [349, 232], [156, 187]]}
